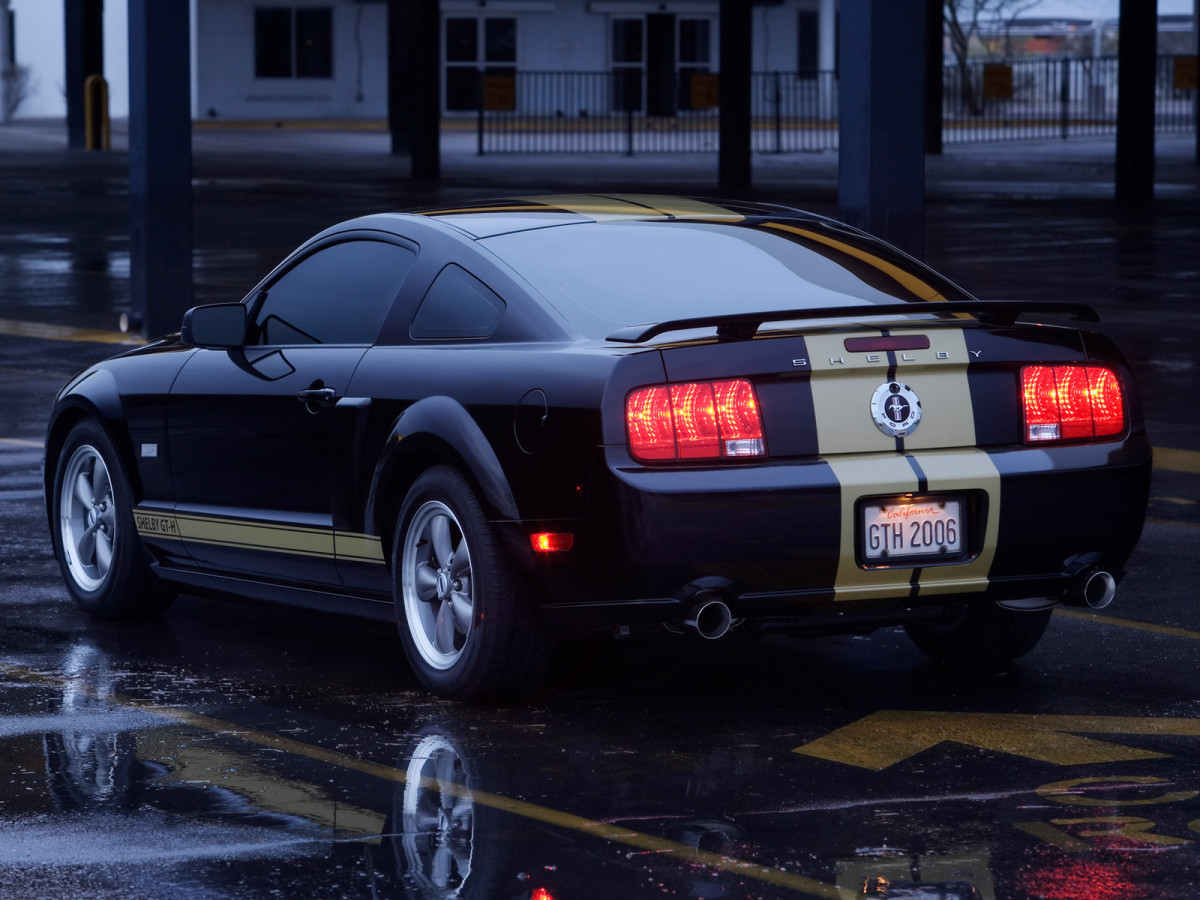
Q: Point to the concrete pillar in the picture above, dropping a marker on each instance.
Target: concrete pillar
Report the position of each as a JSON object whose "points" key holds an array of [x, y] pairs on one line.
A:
{"points": [[83, 22], [415, 84], [7, 59], [734, 155], [934, 74], [881, 168], [1136, 56], [827, 57], [160, 165]]}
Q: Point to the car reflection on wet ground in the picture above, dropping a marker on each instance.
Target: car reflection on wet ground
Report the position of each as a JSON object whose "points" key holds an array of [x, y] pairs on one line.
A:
{"points": [[240, 750]]}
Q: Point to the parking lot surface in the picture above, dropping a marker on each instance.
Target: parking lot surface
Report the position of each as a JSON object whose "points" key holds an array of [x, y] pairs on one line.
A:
{"points": [[242, 750]]}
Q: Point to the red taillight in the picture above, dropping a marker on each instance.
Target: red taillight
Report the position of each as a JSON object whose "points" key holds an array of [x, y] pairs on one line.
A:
{"points": [[695, 420], [1071, 403]]}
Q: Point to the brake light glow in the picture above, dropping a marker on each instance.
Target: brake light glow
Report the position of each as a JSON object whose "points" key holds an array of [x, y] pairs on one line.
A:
{"points": [[1071, 403], [695, 420]]}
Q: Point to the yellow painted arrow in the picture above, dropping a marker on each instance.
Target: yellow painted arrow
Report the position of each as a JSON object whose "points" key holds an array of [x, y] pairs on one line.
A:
{"points": [[887, 737]]}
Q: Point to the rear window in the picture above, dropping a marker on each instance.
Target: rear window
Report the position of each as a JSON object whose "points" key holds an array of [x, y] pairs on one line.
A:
{"points": [[602, 276]]}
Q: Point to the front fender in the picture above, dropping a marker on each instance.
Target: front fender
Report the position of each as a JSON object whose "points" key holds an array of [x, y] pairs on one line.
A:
{"points": [[437, 429], [92, 394]]}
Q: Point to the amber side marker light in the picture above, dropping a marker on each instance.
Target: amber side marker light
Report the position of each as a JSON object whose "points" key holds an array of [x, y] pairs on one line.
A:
{"points": [[552, 541], [1071, 403], [695, 420]]}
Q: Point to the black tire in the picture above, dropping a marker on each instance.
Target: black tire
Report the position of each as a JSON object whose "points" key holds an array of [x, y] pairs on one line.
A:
{"points": [[103, 561], [467, 630], [982, 635]]}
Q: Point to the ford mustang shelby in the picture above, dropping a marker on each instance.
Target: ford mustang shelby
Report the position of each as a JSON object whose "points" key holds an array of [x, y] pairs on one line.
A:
{"points": [[502, 424]]}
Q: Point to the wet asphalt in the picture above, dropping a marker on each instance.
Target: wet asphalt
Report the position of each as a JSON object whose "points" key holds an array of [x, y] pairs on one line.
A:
{"points": [[236, 750]]}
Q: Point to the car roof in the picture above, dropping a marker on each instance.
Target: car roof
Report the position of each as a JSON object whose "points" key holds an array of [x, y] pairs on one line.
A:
{"points": [[508, 215]]}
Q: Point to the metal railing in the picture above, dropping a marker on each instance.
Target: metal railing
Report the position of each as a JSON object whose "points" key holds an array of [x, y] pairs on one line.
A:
{"points": [[1044, 98], [633, 111]]}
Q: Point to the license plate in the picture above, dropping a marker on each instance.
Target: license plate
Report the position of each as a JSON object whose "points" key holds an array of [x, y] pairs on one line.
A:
{"points": [[901, 529]]}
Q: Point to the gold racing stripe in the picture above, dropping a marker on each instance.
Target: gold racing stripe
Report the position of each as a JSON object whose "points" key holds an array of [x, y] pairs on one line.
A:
{"points": [[636, 206], [357, 547], [904, 278], [867, 462], [268, 538], [861, 476], [238, 533], [960, 470], [843, 382]]}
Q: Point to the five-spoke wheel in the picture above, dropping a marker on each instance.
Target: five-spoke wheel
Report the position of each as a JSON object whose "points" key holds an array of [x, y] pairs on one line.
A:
{"points": [[87, 518], [106, 567], [438, 584], [468, 631]]}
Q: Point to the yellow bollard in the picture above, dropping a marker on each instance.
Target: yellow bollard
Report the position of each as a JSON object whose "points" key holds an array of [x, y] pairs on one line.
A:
{"points": [[96, 130]]}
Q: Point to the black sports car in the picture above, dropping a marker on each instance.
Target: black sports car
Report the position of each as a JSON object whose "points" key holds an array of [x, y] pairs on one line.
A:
{"points": [[546, 417]]}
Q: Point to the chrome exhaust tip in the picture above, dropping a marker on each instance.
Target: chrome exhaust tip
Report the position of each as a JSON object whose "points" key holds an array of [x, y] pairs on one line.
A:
{"points": [[710, 618], [1093, 588]]}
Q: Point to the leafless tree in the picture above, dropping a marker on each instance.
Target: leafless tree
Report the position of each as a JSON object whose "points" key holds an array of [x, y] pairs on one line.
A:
{"points": [[16, 84], [964, 20]]}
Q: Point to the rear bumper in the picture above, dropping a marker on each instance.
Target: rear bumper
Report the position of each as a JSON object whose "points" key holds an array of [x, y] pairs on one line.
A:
{"points": [[779, 540]]}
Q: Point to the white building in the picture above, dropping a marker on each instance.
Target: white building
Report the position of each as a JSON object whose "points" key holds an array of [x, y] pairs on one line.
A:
{"points": [[297, 59], [269, 59]]}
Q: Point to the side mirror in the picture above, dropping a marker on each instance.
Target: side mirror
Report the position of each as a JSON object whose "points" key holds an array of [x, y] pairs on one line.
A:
{"points": [[218, 326]]}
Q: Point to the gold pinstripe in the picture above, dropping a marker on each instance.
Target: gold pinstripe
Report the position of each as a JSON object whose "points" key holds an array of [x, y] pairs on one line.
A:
{"points": [[297, 540]]}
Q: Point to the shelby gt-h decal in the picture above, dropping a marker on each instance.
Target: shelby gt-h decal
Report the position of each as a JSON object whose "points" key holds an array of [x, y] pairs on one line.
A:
{"points": [[508, 424], [228, 532]]}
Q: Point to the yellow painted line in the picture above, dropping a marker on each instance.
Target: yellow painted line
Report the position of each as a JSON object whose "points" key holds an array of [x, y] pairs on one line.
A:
{"points": [[18, 442], [1044, 831], [1169, 460], [1158, 520], [189, 761], [289, 124], [601, 830], [46, 332], [888, 737], [1128, 623]]}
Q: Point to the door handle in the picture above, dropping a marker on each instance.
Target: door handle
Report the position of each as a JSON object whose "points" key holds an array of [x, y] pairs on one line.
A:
{"points": [[313, 398]]}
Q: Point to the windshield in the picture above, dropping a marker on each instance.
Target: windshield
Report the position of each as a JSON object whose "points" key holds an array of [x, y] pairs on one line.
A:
{"points": [[603, 276]]}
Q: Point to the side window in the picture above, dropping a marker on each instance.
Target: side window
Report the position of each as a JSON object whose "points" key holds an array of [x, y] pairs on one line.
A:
{"points": [[457, 305], [338, 295]]}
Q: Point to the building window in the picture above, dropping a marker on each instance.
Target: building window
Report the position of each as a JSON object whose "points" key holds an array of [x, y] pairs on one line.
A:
{"points": [[660, 64], [696, 90], [474, 45], [293, 42], [628, 56]]}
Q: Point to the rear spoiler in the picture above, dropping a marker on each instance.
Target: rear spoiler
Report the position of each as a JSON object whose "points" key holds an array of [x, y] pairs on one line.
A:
{"points": [[743, 326]]}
